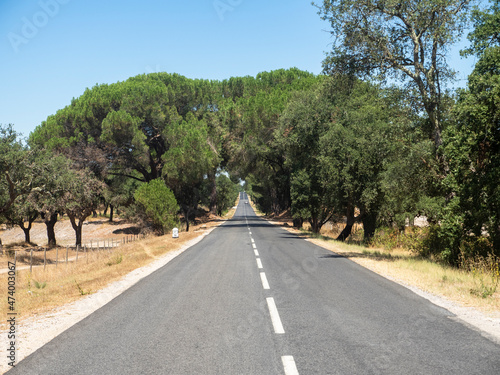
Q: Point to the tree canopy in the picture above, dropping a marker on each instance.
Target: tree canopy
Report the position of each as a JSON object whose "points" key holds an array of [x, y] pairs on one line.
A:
{"points": [[334, 147], [408, 40]]}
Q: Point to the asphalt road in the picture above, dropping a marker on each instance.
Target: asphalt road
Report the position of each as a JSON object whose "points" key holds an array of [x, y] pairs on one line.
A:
{"points": [[252, 298]]}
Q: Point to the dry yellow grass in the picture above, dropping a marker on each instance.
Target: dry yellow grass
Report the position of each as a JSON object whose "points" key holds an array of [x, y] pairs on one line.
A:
{"points": [[42, 291]]}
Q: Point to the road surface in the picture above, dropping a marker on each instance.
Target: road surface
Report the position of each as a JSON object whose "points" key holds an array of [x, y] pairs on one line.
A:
{"points": [[252, 298]]}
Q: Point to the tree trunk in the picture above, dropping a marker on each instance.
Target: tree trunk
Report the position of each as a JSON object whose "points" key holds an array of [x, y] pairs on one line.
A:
{"points": [[105, 209], [78, 233], [186, 210], [369, 225], [315, 225], [78, 229], [50, 223], [346, 232], [111, 212], [27, 237], [213, 193], [298, 223]]}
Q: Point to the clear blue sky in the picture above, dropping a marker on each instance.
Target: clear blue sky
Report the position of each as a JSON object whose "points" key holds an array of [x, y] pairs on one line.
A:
{"points": [[51, 50]]}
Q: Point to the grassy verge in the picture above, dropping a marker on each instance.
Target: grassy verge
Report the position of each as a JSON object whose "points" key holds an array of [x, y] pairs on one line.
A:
{"points": [[41, 291]]}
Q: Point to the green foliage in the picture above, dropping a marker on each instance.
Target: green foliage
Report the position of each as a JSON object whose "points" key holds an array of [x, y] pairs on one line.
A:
{"points": [[227, 193], [472, 144], [406, 40], [303, 123], [356, 148], [251, 111], [80, 289], [39, 285], [158, 205], [486, 25], [15, 178], [117, 259]]}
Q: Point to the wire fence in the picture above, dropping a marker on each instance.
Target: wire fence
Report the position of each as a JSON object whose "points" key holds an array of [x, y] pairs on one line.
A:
{"points": [[38, 256]]}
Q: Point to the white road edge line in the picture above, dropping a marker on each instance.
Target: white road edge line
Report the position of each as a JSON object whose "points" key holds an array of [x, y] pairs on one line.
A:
{"points": [[256, 253], [275, 316], [253, 241], [254, 246], [259, 263], [289, 365], [265, 283]]}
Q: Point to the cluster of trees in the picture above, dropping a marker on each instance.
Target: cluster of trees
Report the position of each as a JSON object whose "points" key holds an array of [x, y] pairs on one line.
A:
{"points": [[342, 146], [42, 183], [348, 145], [152, 145], [37, 183]]}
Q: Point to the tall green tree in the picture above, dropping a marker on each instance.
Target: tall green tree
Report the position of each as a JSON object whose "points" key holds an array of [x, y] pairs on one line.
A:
{"points": [[134, 129], [187, 162], [473, 146], [251, 110], [227, 193], [23, 213], [355, 150], [303, 123], [407, 40]]}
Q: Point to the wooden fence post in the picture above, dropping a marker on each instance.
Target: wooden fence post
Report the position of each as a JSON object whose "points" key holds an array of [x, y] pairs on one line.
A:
{"points": [[31, 260], [44, 258], [67, 251]]}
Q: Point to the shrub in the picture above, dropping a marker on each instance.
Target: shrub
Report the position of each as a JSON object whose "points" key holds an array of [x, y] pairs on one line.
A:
{"points": [[157, 203], [392, 238]]}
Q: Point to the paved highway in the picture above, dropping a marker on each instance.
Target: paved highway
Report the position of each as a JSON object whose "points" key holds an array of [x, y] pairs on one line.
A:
{"points": [[252, 298]]}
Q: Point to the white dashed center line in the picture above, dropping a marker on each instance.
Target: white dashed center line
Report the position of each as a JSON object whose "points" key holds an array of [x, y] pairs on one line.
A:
{"points": [[289, 365], [288, 360], [259, 263], [265, 283], [275, 317]]}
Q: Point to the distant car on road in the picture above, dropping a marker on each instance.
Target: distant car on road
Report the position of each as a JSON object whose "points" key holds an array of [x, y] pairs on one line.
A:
{"points": [[246, 202]]}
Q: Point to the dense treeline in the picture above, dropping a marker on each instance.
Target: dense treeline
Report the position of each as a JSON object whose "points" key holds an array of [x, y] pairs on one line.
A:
{"points": [[335, 147]]}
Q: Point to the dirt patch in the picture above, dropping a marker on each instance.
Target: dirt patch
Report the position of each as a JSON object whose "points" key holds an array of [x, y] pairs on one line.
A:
{"points": [[96, 233]]}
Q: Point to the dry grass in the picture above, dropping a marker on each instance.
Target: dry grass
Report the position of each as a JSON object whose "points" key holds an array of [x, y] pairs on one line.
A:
{"points": [[42, 291]]}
